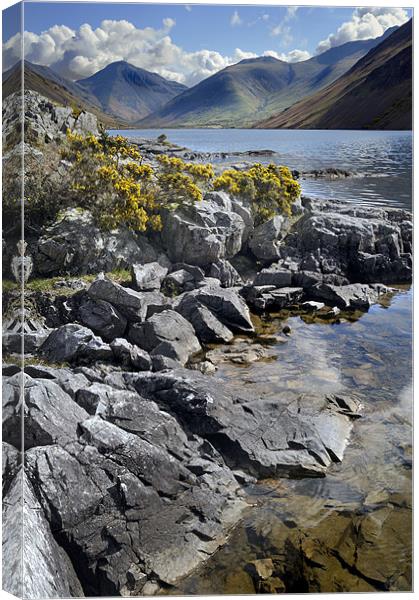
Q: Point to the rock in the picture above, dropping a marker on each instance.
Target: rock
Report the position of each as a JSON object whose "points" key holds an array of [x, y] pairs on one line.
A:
{"points": [[133, 305], [241, 352], [265, 239], [358, 243], [202, 233], [166, 333], [227, 306], [285, 438], [130, 355], [75, 245], [273, 276], [178, 282], [161, 363], [264, 298], [50, 415], [225, 272], [262, 568], [207, 327], [47, 570], [102, 318], [353, 296], [311, 306], [286, 329], [72, 343], [148, 277], [11, 463]]}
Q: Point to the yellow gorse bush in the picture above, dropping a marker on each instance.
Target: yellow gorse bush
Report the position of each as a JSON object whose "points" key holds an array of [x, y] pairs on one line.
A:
{"points": [[111, 180], [269, 189]]}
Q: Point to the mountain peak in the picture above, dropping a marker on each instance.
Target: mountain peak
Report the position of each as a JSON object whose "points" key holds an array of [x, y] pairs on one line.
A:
{"points": [[259, 59]]}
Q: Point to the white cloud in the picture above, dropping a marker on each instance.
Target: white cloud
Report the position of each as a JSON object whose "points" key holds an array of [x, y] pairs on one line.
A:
{"points": [[367, 22], [283, 29], [235, 19], [294, 56], [76, 54]]}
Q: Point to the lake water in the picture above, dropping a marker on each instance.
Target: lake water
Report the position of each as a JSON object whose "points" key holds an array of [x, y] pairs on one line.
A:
{"points": [[384, 158]]}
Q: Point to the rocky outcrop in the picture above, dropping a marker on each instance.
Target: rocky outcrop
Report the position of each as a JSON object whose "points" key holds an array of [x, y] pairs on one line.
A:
{"points": [[206, 231], [154, 456], [74, 343], [361, 244], [74, 244]]}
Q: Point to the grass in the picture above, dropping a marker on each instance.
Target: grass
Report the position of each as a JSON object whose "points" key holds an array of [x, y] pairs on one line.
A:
{"points": [[48, 284]]}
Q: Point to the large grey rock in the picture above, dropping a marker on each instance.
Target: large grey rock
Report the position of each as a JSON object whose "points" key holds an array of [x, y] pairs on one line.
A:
{"points": [[75, 244], [204, 232], [50, 415], [227, 306], [303, 436], [269, 298], [29, 549], [130, 355], [72, 343], [132, 304], [225, 272], [102, 318], [148, 277], [166, 333], [265, 239], [353, 296], [207, 326], [273, 276], [358, 243]]}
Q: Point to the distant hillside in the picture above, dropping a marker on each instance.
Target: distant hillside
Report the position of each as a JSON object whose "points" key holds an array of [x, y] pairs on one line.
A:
{"points": [[128, 92], [51, 85], [376, 93], [256, 88]]}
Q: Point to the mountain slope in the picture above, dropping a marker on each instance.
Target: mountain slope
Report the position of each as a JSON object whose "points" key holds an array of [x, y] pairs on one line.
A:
{"points": [[129, 92], [56, 88], [375, 93], [256, 88]]}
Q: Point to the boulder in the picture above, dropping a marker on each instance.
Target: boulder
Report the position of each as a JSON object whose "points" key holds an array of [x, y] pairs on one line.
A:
{"points": [[353, 242], [226, 305], [166, 333], [75, 245], [72, 343], [265, 239], [148, 277], [133, 305], [178, 282], [202, 233], [224, 271], [207, 326], [102, 318], [130, 356], [273, 276], [354, 296], [46, 568]]}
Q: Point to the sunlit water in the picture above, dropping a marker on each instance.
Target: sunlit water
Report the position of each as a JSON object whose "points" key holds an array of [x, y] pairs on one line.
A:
{"points": [[369, 355], [384, 158]]}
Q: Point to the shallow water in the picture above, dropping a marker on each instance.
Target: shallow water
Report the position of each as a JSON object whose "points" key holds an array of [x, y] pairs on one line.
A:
{"points": [[370, 356], [383, 157]]}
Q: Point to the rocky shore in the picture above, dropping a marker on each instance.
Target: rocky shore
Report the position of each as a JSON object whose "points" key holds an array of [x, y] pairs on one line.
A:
{"points": [[137, 458]]}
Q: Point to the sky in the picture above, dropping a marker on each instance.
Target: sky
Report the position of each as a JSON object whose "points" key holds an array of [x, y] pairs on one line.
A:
{"points": [[185, 43]]}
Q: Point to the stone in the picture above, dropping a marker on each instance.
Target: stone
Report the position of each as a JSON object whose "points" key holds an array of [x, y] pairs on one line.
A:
{"points": [[130, 355], [46, 568], [207, 327], [224, 271], [273, 276], [265, 239], [166, 333], [73, 343], [262, 568], [132, 304], [227, 306], [361, 244], [102, 318], [178, 282], [312, 306], [50, 414], [161, 363], [75, 245], [352, 296], [201, 233], [268, 299], [148, 277]]}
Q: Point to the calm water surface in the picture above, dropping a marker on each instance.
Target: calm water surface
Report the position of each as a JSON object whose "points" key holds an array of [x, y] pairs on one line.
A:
{"points": [[384, 158], [370, 355]]}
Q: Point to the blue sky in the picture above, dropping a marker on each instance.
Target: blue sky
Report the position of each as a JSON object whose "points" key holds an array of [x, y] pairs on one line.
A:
{"points": [[184, 42]]}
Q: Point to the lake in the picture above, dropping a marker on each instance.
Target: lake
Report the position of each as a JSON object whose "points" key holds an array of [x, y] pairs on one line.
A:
{"points": [[383, 158]]}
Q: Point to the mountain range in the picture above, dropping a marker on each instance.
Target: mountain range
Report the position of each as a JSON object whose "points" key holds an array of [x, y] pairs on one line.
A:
{"points": [[376, 93], [321, 92]]}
